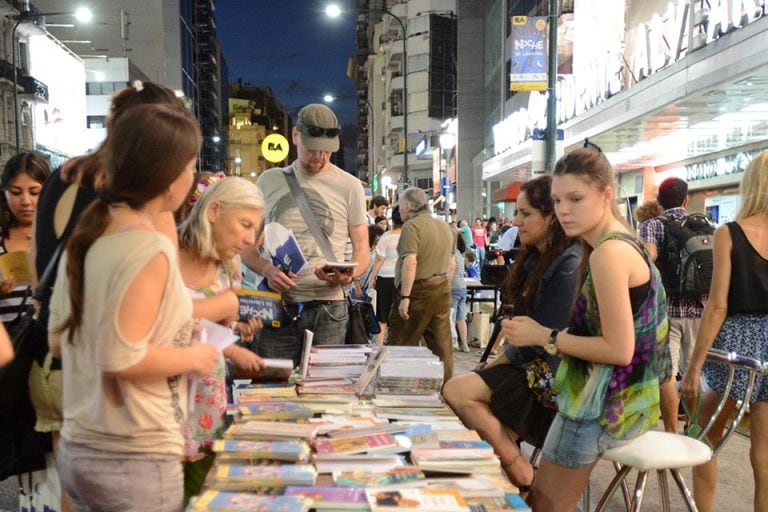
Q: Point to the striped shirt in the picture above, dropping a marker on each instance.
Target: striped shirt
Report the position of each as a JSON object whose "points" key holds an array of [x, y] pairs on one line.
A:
{"points": [[10, 304]]}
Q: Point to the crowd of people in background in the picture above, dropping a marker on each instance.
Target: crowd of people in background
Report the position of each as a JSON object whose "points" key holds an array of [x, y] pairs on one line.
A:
{"points": [[596, 334]]}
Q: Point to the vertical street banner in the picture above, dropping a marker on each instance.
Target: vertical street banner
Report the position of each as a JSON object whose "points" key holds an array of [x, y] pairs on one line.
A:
{"points": [[528, 54]]}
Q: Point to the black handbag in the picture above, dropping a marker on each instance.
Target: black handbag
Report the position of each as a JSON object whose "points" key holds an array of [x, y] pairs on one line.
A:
{"points": [[493, 275], [24, 448], [362, 322]]}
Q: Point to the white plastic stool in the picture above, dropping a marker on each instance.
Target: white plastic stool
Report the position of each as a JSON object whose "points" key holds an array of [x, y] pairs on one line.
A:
{"points": [[656, 451], [662, 451]]}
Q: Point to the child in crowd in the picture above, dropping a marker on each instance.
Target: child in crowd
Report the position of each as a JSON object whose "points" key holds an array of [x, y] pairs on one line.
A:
{"points": [[615, 352], [470, 268]]}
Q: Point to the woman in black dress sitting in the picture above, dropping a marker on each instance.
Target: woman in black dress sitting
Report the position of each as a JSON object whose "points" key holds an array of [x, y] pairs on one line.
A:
{"points": [[509, 399]]}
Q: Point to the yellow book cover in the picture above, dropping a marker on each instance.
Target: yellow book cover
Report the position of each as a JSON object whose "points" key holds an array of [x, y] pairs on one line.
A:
{"points": [[16, 264]]}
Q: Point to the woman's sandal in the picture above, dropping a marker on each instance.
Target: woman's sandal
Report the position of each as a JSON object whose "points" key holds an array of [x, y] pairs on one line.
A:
{"points": [[524, 490]]}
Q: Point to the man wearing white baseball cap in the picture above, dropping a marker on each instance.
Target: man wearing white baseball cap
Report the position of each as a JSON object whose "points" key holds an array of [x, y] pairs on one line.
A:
{"points": [[314, 297]]}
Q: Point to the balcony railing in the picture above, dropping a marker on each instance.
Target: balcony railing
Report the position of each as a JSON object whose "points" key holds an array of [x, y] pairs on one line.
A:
{"points": [[34, 89]]}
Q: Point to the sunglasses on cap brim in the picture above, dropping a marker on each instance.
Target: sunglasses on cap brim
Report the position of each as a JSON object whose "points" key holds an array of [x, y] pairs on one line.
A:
{"points": [[316, 131]]}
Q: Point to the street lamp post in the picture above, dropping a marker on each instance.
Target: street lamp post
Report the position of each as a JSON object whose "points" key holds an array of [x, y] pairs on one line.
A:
{"points": [[83, 14], [551, 147], [334, 11]]}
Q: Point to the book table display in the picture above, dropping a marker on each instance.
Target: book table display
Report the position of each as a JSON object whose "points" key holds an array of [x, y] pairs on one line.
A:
{"points": [[377, 438]]}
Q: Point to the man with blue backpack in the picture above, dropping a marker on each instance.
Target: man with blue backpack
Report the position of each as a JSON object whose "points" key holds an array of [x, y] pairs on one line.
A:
{"points": [[681, 245]]}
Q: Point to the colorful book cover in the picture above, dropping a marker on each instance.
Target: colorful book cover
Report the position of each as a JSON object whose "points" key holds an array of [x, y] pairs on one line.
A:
{"points": [[405, 475], [509, 502], [330, 462], [466, 444], [224, 501], [369, 373], [326, 390], [477, 486], [289, 451], [16, 264], [335, 498], [245, 476], [283, 248], [452, 453], [259, 304], [362, 444], [270, 430], [274, 411], [421, 499], [330, 423]]}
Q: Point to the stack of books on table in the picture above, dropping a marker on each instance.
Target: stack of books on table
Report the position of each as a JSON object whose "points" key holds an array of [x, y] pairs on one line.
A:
{"points": [[270, 410], [258, 392], [409, 371], [337, 360], [309, 386], [457, 457], [329, 452]]}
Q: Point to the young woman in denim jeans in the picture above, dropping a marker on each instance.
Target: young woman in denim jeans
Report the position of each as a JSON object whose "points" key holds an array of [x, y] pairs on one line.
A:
{"points": [[615, 349]]}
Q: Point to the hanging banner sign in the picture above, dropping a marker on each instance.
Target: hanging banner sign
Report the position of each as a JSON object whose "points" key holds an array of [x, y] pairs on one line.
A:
{"points": [[529, 54]]}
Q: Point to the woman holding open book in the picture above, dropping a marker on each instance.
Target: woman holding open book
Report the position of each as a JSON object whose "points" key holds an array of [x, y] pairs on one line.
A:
{"points": [[21, 183], [497, 400], [224, 220]]}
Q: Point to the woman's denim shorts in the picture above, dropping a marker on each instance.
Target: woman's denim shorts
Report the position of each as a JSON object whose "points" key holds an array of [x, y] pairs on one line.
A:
{"points": [[459, 303], [577, 443]]}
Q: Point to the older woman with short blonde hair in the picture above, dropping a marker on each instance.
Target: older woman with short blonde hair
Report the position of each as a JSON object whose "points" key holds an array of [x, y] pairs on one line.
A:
{"points": [[224, 220]]}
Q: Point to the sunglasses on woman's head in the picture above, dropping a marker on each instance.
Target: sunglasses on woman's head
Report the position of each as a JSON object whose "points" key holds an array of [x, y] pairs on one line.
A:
{"points": [[316, 131]]}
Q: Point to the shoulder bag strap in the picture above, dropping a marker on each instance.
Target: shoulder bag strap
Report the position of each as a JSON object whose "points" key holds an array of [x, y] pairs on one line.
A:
{"points": [[308, 214], [45, 283]]}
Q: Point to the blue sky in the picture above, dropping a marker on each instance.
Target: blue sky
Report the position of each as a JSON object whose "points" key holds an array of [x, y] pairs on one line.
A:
{"points": [[291, 46]]}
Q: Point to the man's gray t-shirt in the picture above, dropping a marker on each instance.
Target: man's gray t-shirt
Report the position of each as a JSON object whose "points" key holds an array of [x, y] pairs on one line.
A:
{"points": [[338, 202]]}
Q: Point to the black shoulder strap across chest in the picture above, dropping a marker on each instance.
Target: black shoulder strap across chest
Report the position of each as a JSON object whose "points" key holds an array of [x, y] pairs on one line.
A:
{"points": [[309, 216]]}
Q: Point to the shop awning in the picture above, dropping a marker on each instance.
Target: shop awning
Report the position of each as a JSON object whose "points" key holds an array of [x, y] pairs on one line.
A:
{"points": [[507, 193]]}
